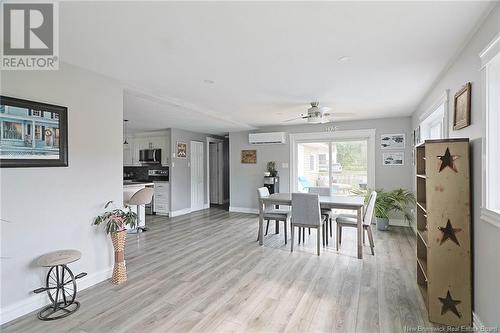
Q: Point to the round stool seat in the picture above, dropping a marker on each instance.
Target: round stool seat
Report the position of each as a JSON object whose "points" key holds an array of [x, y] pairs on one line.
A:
{"points": [[61, 257]]}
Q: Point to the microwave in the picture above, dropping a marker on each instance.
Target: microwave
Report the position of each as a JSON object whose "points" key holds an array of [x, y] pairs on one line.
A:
{"points": [[150, 156]]}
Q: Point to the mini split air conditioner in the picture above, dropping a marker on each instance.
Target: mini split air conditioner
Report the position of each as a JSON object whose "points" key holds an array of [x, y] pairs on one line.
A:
{"points": [[267, 138]]}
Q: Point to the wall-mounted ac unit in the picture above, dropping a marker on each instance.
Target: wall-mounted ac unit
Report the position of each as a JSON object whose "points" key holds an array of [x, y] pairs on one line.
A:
{"points": [[267, 138]]}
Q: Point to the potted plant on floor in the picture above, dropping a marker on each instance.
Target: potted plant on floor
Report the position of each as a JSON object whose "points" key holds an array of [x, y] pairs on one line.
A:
{"points": [[396, 201], [116, 221]]}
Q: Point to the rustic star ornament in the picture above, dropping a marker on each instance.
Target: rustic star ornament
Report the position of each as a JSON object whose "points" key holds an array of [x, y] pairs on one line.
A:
{"points": [[448, 160], [449, 304], [449, 233]]}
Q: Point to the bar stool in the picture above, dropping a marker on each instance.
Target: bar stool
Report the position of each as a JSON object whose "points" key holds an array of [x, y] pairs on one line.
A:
{"points": [[140, 198], [60, 284]]}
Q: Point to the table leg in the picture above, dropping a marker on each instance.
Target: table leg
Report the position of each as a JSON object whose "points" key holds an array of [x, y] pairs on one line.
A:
{"points": [[261, 223], [360, 234], [277, 227]]}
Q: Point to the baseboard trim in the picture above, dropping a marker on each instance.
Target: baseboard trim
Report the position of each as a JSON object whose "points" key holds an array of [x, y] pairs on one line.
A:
{"points": [[179, 212], [36, 301], [477, 324], [243, 210], [398, 223]]}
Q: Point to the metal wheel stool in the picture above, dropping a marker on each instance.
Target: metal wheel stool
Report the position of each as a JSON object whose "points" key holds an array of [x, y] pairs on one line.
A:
{"points": [[60, 284]]}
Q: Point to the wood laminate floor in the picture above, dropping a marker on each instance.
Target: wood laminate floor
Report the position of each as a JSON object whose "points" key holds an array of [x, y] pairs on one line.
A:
{"points": [[204, 272]]}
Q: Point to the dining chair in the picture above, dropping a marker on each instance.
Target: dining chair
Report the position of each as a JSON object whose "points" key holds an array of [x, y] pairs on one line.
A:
{"points": [[348, 220], [273, 214], [324, 192], [306, 213]]}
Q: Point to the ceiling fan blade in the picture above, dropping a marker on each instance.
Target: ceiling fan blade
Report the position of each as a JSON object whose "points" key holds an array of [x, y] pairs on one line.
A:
{"points": [[296, 118]]}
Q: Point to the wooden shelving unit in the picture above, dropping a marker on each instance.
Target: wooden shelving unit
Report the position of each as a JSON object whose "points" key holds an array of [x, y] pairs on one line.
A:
{"points": [[443, 230]]}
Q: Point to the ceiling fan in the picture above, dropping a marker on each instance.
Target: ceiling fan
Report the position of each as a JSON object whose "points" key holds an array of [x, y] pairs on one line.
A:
{"points": [[318, 115]]}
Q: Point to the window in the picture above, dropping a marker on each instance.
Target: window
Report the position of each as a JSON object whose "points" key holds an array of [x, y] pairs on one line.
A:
{"points": [[311, 163], [12, 131], [322, 163], [490, 59], [433, 126], [36, 113]]}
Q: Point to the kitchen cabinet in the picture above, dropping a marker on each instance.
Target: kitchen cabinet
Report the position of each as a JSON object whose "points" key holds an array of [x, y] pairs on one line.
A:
{"points": [[161, 198], [141, 141]]}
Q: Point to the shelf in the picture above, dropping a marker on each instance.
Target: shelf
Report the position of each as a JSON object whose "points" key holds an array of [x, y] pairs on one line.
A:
{"points": [[423, 291], [421, 176], [422, 206], [422, 264], [423, 236]]}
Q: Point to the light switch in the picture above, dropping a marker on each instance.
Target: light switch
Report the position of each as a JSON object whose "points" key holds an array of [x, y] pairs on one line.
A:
{"points": [[173, 164], [284, 165]]}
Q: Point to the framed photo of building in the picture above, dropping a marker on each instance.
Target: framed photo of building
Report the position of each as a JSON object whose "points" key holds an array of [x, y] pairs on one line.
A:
{"points": [[461, 111], [32, 134], [181, 150], [249, 156], [392, 141]]}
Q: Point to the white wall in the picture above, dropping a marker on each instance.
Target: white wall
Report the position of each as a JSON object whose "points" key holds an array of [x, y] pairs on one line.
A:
{"points": [[245, 178], [52, 208], [486, 237]]}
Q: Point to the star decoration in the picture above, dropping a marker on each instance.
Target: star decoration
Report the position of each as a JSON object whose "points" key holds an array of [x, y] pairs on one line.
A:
{"points": [[449, 304], [449, 233], [448, 160]]}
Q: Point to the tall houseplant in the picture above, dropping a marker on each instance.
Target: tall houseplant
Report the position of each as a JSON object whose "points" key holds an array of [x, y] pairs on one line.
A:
{"points": [[116, 221], [396, 201]]}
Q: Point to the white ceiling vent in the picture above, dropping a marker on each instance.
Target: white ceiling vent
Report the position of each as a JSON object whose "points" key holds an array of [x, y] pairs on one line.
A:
{"points": [[267, 138]]}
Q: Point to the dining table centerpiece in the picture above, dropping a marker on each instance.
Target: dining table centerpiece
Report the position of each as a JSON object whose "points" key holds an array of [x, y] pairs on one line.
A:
{"points": [[116, 221]]}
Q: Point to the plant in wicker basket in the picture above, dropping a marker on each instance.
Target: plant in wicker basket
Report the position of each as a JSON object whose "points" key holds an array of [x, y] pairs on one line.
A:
{"points": [[116, 221]]}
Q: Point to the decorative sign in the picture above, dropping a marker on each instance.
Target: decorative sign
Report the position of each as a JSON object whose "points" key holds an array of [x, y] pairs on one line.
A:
{"points": [[393, 158], [392, 141], [181, 150], [461, 112]]}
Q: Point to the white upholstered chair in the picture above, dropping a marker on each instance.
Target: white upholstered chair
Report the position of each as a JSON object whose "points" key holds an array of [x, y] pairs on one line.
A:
{"points": [[347, 220], [273, 214], [324, 192], [306, 213]]}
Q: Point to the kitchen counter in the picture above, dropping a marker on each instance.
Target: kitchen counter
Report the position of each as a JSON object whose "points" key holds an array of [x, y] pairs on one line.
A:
{"points": [[137, 184]]}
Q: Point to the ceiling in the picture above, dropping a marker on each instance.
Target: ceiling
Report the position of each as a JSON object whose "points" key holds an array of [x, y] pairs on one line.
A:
{"points": [[227, 66]]}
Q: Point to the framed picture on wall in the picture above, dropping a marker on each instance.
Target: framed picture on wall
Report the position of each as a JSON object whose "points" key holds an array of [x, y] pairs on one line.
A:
{"points": [[181, 150], [32, 134], [461, 110], [393, 158], [392, 141], [249, 156]]}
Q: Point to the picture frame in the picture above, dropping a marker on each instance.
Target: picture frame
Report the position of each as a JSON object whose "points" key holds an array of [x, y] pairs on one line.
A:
{"points": [[181, 150], [393, 141], [396, 158], [32, 134], [249, 156], [461, 107]]}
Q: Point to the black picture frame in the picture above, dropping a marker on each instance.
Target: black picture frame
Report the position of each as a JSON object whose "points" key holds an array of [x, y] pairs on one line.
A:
{"points": [[62, 115]]}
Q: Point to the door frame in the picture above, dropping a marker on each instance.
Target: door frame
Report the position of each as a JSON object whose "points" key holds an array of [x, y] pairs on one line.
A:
{"points": [[368, 134], [203, 206], [220, 199]]}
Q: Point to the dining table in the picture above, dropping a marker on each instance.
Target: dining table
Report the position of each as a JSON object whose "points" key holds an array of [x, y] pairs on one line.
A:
{"points": [[355, 203]]}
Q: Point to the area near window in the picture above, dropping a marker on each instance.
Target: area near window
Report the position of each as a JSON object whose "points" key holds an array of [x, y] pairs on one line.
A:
{"points": [[336, 162], [490, 58]]}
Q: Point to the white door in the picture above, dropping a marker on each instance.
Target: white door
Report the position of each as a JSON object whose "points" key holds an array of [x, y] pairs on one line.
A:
{"points": [[197, 188], [214, 173]]}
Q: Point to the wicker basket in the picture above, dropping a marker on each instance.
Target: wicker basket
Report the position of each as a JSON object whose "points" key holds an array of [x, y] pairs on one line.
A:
{"points": [[119, 270]]}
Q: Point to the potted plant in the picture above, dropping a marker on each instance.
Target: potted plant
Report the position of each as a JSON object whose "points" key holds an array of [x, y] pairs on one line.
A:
{"points": [[116, 221], [271, 169], [398, 201]]}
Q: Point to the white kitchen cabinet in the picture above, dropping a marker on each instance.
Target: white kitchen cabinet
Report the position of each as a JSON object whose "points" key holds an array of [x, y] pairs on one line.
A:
{"points": [[162, 198], [146, 141]]}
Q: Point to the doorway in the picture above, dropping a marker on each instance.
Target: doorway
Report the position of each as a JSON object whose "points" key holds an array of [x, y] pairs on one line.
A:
{"points": [[215, 171], [197, 193]]}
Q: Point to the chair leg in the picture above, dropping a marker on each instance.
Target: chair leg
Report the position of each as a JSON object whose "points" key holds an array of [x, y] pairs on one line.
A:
{"points": [[304, 234], [258, 233], [285, 227], [364, 240], [309, 231], [300, 232], [318, 240], [331, 228], [338, 235], [326, 232], [276, 227], [370, 239], [291, 246], [267, 227], [323, 229]]}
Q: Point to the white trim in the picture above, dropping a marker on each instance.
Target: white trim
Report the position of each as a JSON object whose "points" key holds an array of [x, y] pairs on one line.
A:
{"points": [[399, 223], [36, 301], [477, 323], [180, 212], [490, 51], [490, 216], [243, 210], [441, 100], [337, 135]]}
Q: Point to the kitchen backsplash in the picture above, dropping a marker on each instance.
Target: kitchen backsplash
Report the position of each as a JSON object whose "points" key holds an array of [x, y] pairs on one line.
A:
{"points": [[140, 172]]}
